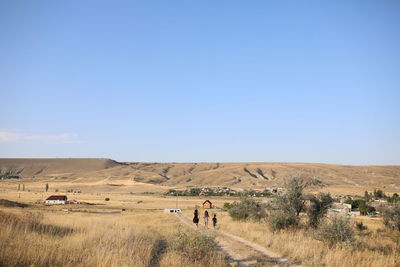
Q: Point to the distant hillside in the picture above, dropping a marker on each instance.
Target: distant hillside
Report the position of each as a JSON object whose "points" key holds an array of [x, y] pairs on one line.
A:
{"points": [[239, 175], [13, 168], [262, 174]]}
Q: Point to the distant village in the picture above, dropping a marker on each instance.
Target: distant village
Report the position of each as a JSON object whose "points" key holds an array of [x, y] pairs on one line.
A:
{"points": [[223, 191], [368, 205]]}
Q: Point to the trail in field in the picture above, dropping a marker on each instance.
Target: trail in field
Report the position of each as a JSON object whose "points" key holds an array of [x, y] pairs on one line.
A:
{"points": [[223, 241], [223, 245]]}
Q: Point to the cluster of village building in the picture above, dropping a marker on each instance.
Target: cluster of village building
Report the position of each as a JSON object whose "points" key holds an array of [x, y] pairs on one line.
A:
{"points": [[224, 191]]}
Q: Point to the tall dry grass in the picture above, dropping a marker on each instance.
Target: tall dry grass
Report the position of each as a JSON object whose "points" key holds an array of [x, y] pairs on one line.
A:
{"points": [[29, 239], [376, 247]]}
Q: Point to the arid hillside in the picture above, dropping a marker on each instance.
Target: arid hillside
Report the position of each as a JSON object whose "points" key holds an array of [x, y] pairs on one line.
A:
{"points": [[236, 175], [53, 167]]}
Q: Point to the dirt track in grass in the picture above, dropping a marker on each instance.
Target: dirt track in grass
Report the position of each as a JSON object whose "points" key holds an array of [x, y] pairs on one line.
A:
{"points": [[235, 246]]}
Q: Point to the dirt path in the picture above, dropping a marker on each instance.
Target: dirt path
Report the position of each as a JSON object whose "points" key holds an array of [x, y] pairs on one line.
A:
{"points": [[274, 258], [223, 245]]}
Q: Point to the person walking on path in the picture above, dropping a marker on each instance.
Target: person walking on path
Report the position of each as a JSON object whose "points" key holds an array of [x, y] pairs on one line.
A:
{"points": [[206, 217], [214, 220], [196, 218]]}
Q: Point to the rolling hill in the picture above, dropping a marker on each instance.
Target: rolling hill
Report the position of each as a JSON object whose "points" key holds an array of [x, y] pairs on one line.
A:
{"points": [[236, 175]]}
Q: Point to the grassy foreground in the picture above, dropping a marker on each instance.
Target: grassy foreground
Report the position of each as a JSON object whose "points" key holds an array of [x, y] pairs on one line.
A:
{"points": [[375, 246], [139, 239], [145, 236]]}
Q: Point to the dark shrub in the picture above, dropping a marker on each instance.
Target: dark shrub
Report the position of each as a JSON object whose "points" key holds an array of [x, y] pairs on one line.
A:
{"points": [[360, 226], [107, 199]]}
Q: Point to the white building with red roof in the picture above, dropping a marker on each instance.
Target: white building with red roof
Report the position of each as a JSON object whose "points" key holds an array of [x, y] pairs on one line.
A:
{"points": [[56, 200]]}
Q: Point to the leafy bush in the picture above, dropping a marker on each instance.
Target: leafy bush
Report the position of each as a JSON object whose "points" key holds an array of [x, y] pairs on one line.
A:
{"points": [[336, 230], [107, 199], [248, 209], [278, 220], [194, 246], [318, 208], [391, 217]]}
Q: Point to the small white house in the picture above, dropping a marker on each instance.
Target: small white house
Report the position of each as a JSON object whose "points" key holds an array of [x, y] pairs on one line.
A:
{"points": [[56, 200], [172, 210]]}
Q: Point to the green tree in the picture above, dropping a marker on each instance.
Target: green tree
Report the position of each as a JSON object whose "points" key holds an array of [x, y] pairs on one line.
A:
{"points": [[318, 208], [287, 206], [293, 202], [47, 187], [379, 193]]}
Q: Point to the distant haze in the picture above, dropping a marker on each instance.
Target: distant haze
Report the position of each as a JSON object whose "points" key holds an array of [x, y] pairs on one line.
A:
{"points": [[172, 81]]}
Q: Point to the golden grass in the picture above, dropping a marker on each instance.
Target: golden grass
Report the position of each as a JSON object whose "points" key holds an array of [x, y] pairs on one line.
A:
{"points": [[372, 248], [140, 239]]}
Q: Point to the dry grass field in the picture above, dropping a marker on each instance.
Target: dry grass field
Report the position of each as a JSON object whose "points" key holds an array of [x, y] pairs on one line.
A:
{"points": [[131, 228], [40, 237]]}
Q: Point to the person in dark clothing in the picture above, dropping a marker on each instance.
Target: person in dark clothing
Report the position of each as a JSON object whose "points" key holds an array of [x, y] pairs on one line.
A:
{"points": [[196, 218], [214, 219]]}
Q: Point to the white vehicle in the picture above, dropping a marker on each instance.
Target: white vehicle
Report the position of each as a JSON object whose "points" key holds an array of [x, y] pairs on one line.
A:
{"points": [[172, 210]]}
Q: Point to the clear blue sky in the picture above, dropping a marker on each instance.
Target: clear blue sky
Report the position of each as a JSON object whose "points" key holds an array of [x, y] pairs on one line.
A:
{"points": [[304, 81]]}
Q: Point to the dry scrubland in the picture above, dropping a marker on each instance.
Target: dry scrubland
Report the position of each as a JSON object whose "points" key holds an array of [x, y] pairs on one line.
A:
{"points": [[142, 235]]}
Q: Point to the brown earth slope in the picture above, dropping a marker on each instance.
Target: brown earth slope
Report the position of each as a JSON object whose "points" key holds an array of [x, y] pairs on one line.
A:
{"points": [[236, 175], [55, 167]]}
